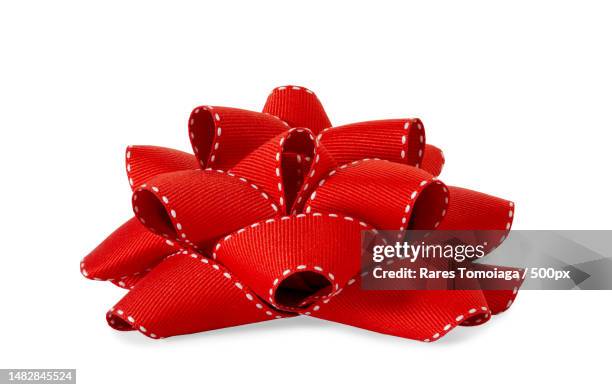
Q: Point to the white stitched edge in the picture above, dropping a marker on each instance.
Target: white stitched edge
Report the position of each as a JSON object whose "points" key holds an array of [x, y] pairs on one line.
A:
{"points": [[252, 297], [335, 287]]}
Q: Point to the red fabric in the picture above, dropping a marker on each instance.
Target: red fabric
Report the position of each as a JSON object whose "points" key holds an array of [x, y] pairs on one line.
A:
{"points": [[222, 136], [389, 195], [433, 160], [179, 296], [477, 211], [297, 106], [145, 162], [128, 251], [167, 205], [397, 140], [292, 256], [274, 165], [265, 222]]}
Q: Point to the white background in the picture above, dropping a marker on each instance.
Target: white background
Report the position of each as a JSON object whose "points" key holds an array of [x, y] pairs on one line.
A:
{"points": [[517, 95]]}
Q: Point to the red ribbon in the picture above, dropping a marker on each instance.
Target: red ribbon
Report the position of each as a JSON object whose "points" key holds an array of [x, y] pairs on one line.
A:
{"points": [[265, 223]]}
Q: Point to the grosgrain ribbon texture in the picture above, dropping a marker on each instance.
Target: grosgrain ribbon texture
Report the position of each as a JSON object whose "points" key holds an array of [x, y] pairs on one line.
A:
{"points": [[264, 220]]}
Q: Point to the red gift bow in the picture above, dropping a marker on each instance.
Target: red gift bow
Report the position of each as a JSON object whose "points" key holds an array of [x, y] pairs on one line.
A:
{"points": [[280, 198]]}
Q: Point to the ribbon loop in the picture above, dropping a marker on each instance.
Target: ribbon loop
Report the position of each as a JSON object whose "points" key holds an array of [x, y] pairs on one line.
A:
{"points": [[144, 162], [188, 293], [433, 160], [473, 210], [129, 251], [278, 166], [312, 257], [166, 205], [419, 315], [315, 169], [222, 136], [388, 195], [298, 106], [397, 140]]}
